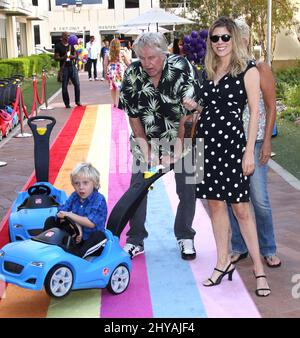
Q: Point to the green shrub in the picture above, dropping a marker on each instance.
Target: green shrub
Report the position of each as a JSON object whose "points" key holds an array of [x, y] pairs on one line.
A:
{"points": [[26, 66], [287, 78], [291, 113]]}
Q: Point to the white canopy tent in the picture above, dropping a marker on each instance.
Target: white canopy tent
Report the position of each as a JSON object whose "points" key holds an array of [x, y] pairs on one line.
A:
{"points": [[126, 30], [159, 17]]}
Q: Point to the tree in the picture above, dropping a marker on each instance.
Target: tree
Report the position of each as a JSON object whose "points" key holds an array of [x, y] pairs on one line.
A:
{"points": [[204, 12]]}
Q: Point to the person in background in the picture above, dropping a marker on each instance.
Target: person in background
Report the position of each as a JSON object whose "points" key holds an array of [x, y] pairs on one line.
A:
{"points": [[104, 51], [93, 56], [79, 62], [66, 55], [128, 51], [87, 207], [259, 180], [177, 47], [115, 64], [151, 95]]}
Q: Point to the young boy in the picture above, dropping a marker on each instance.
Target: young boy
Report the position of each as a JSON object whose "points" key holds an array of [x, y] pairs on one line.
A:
{"points": [[86, 207]]}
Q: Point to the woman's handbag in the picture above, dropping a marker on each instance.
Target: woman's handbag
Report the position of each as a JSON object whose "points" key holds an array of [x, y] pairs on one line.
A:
{"points": [[190, 126]]}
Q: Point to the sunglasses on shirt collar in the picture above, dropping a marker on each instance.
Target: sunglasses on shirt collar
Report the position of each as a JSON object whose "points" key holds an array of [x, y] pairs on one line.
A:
{"points": [[216, 38]]}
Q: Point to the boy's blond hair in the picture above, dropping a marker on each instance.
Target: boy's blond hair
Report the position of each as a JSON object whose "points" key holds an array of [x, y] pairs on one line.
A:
{"points": [[86, 170]]}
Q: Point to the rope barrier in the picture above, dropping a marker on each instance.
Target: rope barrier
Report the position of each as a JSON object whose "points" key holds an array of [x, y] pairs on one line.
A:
{"points": [[19, 104]]}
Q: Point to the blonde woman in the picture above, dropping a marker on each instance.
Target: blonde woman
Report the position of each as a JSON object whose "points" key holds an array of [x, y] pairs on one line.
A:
{"points": [[115, 64], [231, 79]]}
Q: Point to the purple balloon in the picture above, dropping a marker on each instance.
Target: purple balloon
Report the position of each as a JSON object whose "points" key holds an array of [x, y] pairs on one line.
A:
{"points": [[199, 48], [72, 40], [187, 39], [194, 42], [186, 48], [193, 49], [203, 33], [194, 34], [191, 57]]}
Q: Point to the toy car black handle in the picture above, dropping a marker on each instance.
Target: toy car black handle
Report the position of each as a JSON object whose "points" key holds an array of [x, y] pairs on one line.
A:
{"points": [[130, 201], [41, 138]]}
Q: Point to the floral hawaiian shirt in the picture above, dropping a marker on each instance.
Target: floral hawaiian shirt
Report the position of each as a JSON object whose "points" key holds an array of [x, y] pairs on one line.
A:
{"points": [[159, 109]]}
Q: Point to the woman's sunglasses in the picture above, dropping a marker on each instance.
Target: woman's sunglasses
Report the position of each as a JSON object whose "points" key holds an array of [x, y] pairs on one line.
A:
{"points": [[216, 38]]}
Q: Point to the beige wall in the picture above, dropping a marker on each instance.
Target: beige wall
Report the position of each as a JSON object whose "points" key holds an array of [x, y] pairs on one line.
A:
{"points": [[287, 48]]}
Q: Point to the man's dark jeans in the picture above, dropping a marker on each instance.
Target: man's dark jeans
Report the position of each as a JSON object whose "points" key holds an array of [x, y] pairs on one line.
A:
{"points": [[92, 62], [70, 73]]}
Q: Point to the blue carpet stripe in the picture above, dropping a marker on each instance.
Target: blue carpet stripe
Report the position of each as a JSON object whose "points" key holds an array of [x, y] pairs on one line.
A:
{"points": [[173, 290]]}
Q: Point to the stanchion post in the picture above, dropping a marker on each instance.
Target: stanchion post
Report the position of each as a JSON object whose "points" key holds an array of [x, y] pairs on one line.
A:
{"points": [[45, 106], [22, 134], [35, 93]]}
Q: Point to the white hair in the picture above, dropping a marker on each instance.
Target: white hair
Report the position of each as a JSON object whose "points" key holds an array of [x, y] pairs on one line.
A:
{"points": [[153, 40], [243, 27]]}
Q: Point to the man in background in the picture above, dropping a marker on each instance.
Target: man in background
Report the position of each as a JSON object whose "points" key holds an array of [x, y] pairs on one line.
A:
{"points": [[66, 55], [104, 51], [94, 51]]}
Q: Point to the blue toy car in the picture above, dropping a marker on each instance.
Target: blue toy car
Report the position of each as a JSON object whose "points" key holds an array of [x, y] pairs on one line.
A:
{"points": [[31, 208], [46, 260]]}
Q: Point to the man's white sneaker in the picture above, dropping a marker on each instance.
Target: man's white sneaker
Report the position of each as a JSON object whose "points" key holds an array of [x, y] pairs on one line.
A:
{"points": [[90, 79], [102, 79], [187, 249], [133, 250]]}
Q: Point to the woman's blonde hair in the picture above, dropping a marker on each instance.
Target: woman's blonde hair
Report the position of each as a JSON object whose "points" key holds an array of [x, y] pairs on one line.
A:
{"points": [[114, 50], [86, 170], [239, 55]]}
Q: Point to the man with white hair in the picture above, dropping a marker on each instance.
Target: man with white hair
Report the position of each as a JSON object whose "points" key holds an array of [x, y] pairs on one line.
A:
{"points": [[151, 95]]}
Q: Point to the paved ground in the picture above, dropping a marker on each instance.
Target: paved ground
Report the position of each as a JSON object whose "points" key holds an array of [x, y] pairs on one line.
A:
{"points": [[285, 199]]}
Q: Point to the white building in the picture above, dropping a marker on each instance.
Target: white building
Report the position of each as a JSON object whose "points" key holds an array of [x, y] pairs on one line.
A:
{"points": [[91, 17], [25, 24], [18, 26]]}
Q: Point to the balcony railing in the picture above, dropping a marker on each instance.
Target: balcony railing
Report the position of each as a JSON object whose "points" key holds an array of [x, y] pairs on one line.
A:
{"points": [[38, 14], [4, 4], [18, 7]]}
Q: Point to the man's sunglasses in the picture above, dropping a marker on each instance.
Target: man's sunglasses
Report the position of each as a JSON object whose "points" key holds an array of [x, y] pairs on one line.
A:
{"points": [[216, 38]]}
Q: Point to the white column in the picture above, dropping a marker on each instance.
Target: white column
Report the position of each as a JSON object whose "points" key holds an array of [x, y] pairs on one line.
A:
{"points": [[269, 33], [11, 31]]}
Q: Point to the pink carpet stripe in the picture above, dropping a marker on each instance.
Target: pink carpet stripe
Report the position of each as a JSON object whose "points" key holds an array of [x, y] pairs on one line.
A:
{"points": [[135, 302], [229, 299]]}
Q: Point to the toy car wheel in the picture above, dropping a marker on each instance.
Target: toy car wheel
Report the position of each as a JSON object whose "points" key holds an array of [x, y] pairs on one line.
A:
{"points": [[59, 281], [7, 132], [119, 280], [1, 135]]}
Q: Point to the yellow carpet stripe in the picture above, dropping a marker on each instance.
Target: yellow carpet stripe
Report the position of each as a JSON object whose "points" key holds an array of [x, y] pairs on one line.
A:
{"points": [[79, 149], [99, 153]]}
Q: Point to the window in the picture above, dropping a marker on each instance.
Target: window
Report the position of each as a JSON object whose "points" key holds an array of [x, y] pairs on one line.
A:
{"points": [[111, 4], [35, 2], [37, 35], [132, 3]]}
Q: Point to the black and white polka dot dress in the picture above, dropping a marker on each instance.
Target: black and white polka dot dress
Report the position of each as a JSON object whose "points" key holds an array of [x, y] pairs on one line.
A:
{"points": [[221, 127]]}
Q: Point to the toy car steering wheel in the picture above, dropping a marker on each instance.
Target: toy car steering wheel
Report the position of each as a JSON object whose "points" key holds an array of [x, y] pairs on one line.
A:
{"points": [[71, 227], [40, 189]]}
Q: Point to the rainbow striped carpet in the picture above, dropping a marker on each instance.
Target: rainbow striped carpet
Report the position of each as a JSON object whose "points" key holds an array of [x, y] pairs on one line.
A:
{"points": [[162, 284]]}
